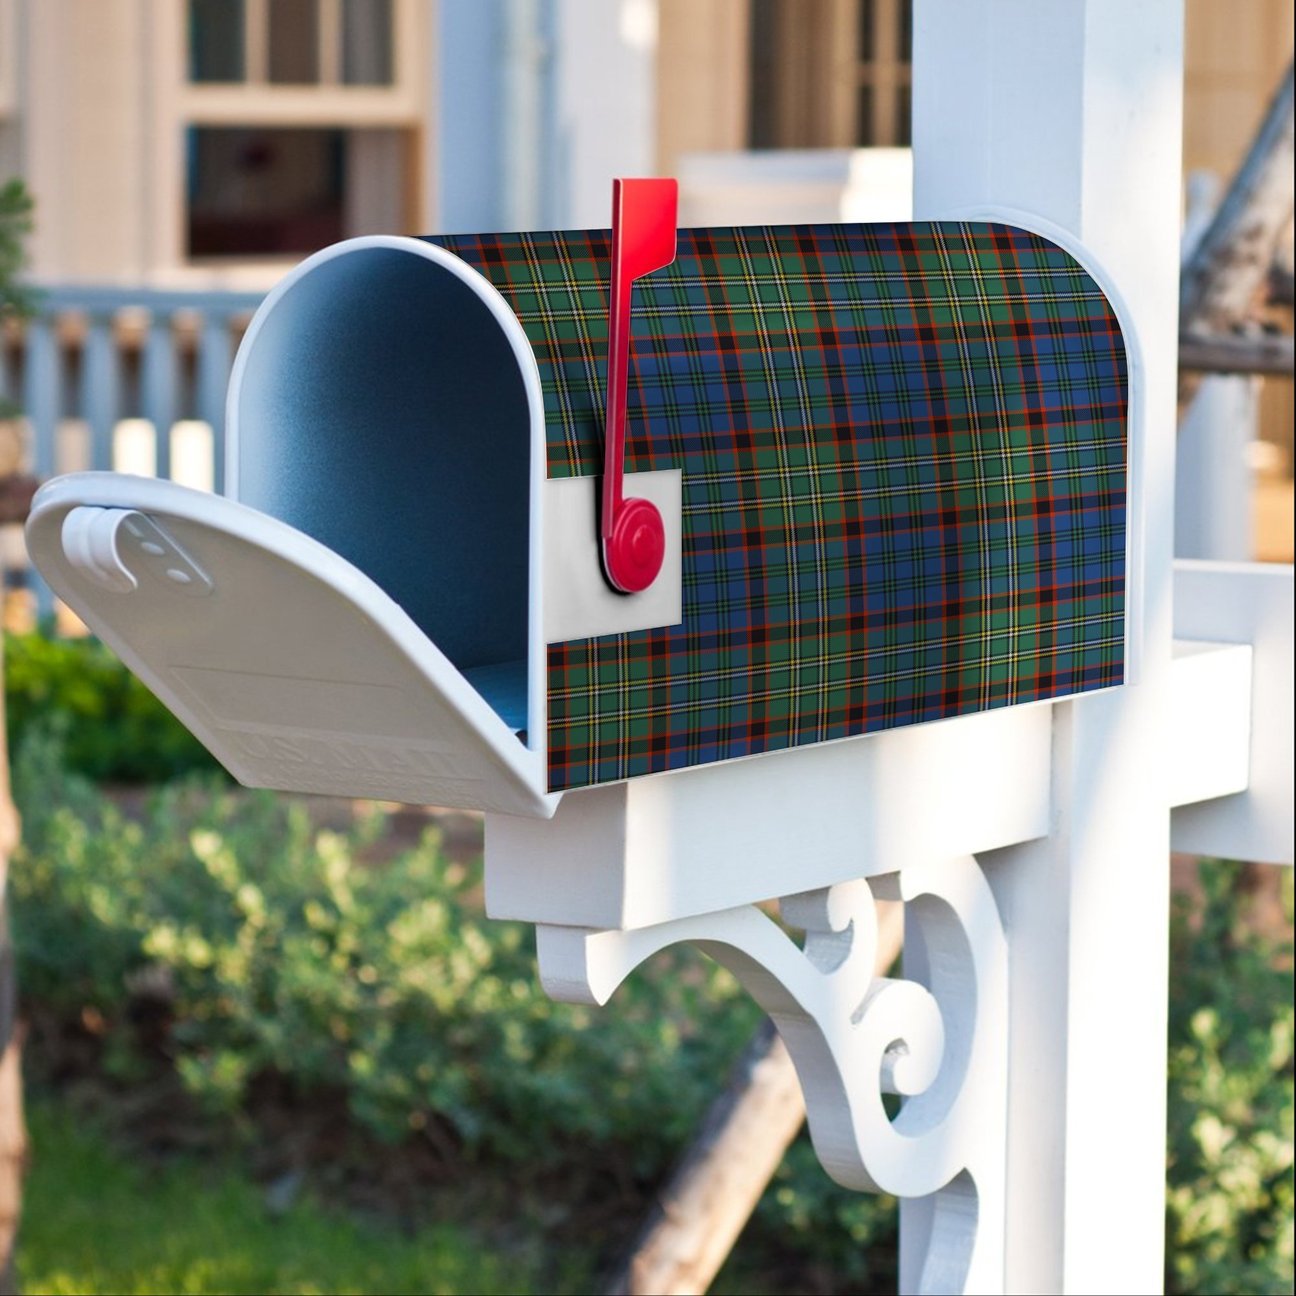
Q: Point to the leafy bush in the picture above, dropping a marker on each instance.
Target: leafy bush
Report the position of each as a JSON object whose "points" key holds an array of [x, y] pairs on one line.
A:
{"points": [[282, 953], [16, 299], [1230, 1198], [112, 727], [847, 1240]]}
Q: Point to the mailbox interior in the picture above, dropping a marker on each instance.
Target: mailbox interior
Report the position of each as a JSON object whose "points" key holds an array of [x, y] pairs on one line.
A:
{"points": [[386, 403]]}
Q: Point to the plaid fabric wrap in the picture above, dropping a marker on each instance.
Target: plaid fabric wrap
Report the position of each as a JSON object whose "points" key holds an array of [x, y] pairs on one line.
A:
{"points": [[904, 460]]}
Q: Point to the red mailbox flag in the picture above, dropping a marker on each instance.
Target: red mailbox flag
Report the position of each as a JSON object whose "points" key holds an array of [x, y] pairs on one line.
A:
{"points": [[643, 240]]}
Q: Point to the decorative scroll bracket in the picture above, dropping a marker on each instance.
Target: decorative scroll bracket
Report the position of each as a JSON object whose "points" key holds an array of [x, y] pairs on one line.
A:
{"points": [[938, 1037]]}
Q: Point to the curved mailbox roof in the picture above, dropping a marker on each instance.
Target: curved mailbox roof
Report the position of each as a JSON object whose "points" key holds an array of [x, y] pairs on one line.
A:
{"points": [[904, 469]]}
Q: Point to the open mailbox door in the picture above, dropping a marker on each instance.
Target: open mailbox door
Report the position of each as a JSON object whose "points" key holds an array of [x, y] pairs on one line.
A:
{"points": [[293, 667], [365, 620]]}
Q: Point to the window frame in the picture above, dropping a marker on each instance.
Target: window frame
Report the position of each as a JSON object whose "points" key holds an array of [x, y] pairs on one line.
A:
{"points": [[814, 100], [255, 100], [181, 104]]}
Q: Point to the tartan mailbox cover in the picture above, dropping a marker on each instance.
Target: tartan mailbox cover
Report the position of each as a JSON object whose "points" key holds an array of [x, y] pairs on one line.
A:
{"points": [[892, 460]]}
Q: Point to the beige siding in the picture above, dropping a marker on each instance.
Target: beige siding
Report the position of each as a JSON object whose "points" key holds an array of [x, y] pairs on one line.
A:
{"points": [[85, 154], [1234, 54], [95, 120], [701, 78]]}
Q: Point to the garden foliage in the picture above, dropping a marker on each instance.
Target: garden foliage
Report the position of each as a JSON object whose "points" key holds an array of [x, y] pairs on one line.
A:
{"points": [[280, 950], [282, 953], [112, 728], [16, 299], [1230, 1196]]}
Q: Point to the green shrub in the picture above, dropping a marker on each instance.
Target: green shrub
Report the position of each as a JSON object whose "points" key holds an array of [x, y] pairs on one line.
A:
{"points": [[1230, 1199], [113, 728], [846, 1239], [282, 954]]}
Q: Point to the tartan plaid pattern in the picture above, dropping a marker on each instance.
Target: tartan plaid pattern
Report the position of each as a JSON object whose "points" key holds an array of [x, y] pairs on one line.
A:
{"points": [[904, 459]]}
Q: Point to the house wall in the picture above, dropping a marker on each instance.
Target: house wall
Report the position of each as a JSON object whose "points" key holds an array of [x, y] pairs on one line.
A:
{"points": [[702, 80], [538, 103], [82, 110], [1231, 69], [468, 74], [1233, 58], [94, 118]]}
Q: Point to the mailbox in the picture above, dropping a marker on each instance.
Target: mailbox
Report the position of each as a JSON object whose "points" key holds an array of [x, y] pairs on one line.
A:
{"points": [[887, 463]]}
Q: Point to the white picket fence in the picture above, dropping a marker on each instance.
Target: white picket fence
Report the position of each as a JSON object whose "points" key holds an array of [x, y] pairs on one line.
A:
{"points": [[131, 380]]}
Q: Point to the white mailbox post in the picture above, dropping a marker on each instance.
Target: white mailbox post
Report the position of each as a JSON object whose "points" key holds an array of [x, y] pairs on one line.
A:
{"points": [[1031, 846], [318, 637], [1074, 112]]}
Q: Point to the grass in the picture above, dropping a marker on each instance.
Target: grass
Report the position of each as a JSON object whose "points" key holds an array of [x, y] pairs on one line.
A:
{"points": [[96, 1221]]}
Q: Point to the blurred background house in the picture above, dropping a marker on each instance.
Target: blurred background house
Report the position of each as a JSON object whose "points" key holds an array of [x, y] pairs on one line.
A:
{"points": [[184, 153]]}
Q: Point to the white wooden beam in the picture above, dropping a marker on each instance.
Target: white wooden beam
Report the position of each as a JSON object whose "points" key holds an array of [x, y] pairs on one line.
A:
{"points": [[1214, 508], [1245, 603], [938, 1039], [658, 849], [1208, 744]]}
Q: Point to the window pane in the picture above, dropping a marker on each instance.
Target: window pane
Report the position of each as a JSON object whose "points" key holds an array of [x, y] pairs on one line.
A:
{"points": [[216, 40], [367, 42], [867, 18], [762, 129], [864, 133], [294, 42], [903, 122], [266, 192]]}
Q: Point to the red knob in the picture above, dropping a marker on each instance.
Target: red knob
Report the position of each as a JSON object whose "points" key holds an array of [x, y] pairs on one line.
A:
{"points": [[633, 552]]}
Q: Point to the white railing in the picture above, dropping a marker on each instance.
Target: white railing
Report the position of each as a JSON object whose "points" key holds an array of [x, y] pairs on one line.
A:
{"points": [[131, 380]]}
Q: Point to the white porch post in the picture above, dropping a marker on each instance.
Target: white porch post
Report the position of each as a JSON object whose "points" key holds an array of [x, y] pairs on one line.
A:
{"points": [[604, 91], [1072, 112]]}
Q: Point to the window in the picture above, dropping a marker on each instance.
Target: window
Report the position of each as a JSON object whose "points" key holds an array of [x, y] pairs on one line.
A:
{"points": [[291, 42], [216, 49], [883, 69], [293, 54], [366, 42], [297, 123], [257, 192], [264, 192], [830, 73]]}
